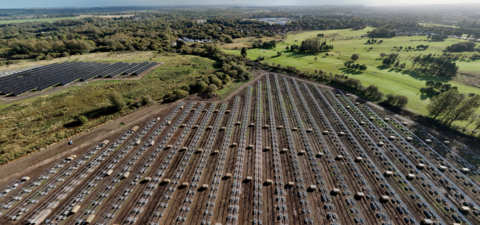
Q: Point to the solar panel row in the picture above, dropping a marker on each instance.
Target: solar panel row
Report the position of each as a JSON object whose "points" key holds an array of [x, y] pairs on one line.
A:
{"points": [[43, 77], [145, 68]]}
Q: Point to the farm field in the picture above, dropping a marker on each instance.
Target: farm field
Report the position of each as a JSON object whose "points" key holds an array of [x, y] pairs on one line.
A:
{"points": [[389, 81], [36, 20], [280, 151]]}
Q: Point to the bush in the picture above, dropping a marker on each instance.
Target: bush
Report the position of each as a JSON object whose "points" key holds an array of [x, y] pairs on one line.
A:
{"points": [[227, 79], [201, 86], [214, 80], [178, 94], [147, 100], [117, 101], [211, 88], [82, 119], [185, 87], [40, 56]]}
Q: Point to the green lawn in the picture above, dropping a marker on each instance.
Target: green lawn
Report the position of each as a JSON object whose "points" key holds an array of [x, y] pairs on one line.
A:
{"points": [[35, 20], [389, 81]]}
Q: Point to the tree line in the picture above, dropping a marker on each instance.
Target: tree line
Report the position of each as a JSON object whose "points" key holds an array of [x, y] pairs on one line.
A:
{"points": [[462, 46], [354, 66], [452, 105], [437, 66], [312, 45]]}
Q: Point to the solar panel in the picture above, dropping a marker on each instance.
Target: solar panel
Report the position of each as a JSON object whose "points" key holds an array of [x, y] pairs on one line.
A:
{"points": [[43, 77]]}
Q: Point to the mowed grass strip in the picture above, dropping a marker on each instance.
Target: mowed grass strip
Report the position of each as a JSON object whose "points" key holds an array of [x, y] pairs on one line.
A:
{"points": [[390, 81]]}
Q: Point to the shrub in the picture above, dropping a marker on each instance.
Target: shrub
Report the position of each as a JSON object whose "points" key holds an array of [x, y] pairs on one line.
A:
{"points": [[147, 100], [227, 79], [117, 101], [178, 94], [202, 86], [214, 80], [185, 87], [82, 119], [211, 88]]}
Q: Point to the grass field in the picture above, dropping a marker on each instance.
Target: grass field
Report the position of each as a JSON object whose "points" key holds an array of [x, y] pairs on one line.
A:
{"points": [[36, 20], [35, 122], [389, 81]]}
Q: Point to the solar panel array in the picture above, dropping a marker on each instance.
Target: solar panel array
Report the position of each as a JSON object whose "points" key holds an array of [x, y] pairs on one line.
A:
{"points": [[43, 77]]}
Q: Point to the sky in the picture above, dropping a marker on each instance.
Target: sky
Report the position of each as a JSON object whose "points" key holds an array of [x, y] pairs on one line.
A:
{"points": [[100, 3]]}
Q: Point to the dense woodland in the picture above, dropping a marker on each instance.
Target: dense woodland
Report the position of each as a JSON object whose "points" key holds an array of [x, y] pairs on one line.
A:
{"points": [[158, 28]]}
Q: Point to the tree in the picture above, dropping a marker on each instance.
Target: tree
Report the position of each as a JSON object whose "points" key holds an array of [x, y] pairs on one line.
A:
{"points": [[443, 103], [477, 125], [462, 46], [471, 120], [279, 53], [397, 100], [354, 57], [82, 119], [382, 55], [373, 92], [464, 110], [117, 101], [211, 88], [402, 101], [244, 51], [438, 85]]}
